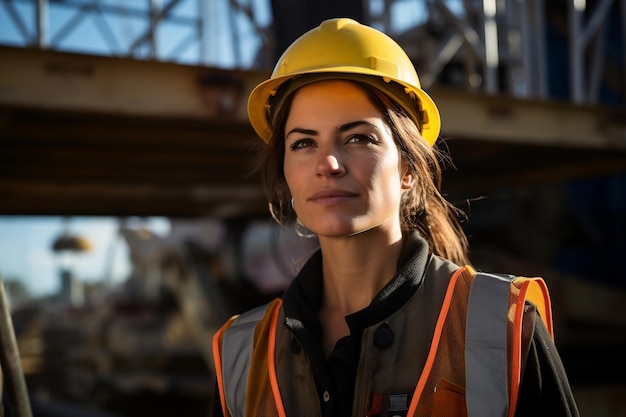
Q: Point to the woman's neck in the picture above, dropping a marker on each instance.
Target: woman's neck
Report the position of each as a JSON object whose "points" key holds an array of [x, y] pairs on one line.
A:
{"points": [[356, 268]]}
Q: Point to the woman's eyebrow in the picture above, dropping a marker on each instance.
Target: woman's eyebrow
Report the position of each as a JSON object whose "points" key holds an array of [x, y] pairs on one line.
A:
{"points": [[351, 125], [309, 132], [343, 128]]}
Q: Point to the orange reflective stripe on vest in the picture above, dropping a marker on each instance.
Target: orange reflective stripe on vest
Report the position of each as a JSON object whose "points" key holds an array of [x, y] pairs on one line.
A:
{"points": [[432, 353], [534, 290]]}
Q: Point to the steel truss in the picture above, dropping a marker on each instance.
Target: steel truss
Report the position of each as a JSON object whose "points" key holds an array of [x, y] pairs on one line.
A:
{"points": [[496, 46]]}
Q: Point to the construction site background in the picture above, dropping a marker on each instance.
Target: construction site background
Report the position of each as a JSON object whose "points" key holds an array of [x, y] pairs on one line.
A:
{"points": [[132, 114]]}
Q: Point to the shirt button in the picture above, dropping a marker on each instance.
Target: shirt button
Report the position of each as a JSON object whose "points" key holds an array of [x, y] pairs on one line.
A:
{"points": [[326, 396], [383, 337]]}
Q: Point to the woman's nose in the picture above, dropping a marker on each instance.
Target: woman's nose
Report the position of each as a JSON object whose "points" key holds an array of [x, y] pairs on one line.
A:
{"points": [[330, 164]]}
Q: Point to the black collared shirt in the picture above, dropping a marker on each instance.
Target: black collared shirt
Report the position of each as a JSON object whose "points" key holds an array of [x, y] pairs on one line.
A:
{"points": [[336, 375]]}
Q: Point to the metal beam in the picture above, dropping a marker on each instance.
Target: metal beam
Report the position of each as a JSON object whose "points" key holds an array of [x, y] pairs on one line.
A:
{"points": [[114, 136], [537, 122], [62, 81]]}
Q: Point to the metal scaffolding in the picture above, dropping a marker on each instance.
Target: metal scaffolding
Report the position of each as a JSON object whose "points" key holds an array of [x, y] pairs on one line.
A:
{"points": [[491, 46]]}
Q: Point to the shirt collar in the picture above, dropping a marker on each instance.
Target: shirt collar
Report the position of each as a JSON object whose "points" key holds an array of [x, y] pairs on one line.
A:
{"points": [[302, 299]]}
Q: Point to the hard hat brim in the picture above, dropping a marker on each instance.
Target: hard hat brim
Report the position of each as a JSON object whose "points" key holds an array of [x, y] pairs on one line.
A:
{"points": [[429, 121]]}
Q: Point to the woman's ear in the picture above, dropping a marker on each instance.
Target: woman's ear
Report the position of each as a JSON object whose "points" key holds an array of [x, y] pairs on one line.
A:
{"points": [[408, 180]]}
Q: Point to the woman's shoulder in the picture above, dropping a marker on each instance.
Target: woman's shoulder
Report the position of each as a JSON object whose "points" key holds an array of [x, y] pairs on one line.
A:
{"points": [[442, 265]]}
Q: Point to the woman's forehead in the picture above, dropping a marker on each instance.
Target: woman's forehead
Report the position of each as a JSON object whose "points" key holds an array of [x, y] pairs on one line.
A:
{"points": [[339, 95], [331, 87]]}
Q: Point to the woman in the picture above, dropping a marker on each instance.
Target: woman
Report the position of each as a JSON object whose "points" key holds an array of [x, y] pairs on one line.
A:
{"points": [[382, 320]]}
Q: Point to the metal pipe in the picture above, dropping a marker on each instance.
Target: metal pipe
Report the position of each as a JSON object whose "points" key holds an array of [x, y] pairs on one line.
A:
{"points": [[520, 38], [575, 9], [203, 33], [234, 31], [152, 28], [539, 18], [597, 68], [623, 20], [10, 360], [490, 39], [42, 23]]}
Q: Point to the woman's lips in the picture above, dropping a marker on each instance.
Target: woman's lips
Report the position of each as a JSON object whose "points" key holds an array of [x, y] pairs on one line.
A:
{"points": [[331, 196]]}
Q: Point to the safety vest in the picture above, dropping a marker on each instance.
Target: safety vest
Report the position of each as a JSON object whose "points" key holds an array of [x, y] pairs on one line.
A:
{"points": [[484, 310]]}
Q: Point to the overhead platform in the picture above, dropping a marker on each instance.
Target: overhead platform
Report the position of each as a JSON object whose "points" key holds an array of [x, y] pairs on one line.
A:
{"points": [[98, 135]]}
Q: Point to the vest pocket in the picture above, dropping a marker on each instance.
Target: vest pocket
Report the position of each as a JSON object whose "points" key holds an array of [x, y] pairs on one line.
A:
{"points": [[448, 400]]}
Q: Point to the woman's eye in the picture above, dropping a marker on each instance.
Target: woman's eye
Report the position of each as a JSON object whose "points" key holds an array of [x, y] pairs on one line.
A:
{"points": [[360, 139], [300, 144]]}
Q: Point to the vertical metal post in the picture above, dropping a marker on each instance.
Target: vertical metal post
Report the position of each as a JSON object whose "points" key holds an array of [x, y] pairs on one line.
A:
{"points": [[597, 68], [212, 23], [491, 46], [10, 360], [41, 20], [519, 57], [234, 32], [623, 20], [538, 17], [387, 16], [203, 32], [514, 36], [152, 36], [575, 10]]}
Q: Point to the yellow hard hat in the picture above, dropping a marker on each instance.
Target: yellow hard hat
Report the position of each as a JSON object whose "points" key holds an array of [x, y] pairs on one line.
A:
{"points": [[343, 47]]}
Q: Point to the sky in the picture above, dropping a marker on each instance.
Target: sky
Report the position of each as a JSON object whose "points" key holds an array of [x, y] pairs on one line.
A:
{"points": [[112, 33]]}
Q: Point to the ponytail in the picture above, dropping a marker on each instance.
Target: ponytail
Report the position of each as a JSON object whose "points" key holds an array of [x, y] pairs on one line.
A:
{"points": [[423, 208]]}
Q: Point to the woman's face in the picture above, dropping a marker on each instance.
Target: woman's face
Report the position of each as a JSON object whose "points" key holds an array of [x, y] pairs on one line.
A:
{"points": [[341, 164]]}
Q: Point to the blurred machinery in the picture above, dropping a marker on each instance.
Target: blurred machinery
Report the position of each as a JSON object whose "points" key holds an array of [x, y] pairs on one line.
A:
{"points": [[144, 346]]}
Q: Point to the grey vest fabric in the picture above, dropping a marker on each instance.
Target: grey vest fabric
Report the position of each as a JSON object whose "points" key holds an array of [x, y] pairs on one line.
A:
{"points": [[236, 357], [486, 369]]}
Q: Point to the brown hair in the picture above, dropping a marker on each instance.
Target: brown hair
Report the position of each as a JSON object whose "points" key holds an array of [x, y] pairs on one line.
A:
{"points": [[422, 209]]}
